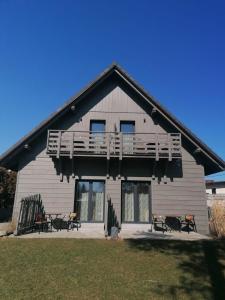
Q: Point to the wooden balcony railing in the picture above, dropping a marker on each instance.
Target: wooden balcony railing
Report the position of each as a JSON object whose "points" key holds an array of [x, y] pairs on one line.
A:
{"points": [[62, 143]]}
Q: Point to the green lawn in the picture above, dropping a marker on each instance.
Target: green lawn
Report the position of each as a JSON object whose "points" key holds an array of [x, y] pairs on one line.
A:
{"points": [[100, 269]]}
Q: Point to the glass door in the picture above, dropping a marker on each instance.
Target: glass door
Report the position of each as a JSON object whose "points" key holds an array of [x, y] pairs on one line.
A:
{"points": [[135, 202], [89, 201], [97, 129]]}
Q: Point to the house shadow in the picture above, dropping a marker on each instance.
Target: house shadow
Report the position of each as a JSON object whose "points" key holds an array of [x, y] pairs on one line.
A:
{"points": [[202, 265]]}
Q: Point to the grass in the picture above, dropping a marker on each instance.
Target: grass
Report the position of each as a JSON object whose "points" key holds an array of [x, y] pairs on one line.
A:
{"points": [[100, 269]]}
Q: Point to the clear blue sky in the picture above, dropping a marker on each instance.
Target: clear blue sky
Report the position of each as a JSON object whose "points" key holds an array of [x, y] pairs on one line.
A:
{"points": [[49, 49]]}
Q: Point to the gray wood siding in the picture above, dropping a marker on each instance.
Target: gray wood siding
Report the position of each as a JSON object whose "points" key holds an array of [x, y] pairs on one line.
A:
{"points": [[183, 196], [180, 195], [39, 177]]}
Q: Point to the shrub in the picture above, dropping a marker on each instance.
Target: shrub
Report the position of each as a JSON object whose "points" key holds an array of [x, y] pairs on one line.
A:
{"points": [[217, 221], [7, 187]]}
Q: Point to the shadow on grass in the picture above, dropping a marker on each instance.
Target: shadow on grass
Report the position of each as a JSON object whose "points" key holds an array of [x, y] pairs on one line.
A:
{"points": [[201, 263]]}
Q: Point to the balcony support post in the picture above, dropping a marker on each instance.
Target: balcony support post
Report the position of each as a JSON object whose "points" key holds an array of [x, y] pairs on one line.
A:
{"points": [[121, 145], [108, 154], [119, 169], [169, 146], [59, 144], [60, 170], [153, 170], [121, 154], [156, 147], [166, 164], [48, 136], [107, 168], [72, 165], [72, 145]]}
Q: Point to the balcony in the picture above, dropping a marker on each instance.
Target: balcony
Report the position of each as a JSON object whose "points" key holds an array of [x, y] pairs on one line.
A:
{"points": [[71, 144]]}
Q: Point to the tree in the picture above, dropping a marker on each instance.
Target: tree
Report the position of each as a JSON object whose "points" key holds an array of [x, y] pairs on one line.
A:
{"points": [[7, 187]]}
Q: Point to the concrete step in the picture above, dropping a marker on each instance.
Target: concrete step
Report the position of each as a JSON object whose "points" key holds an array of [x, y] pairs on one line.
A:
{"points": [[92, 228], [136, 227]]}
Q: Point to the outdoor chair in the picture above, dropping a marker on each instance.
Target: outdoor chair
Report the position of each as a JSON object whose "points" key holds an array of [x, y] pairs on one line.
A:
{"points": [[159, 223], [41, 223], [188, 223], [73, 221]]}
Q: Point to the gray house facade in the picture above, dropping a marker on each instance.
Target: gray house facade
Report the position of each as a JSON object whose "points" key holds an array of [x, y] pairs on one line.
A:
{"points": [[113, 141]]}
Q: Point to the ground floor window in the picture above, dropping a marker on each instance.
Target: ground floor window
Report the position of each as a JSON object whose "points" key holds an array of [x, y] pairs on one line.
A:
{"points": [[135, 202], [89, 202]]}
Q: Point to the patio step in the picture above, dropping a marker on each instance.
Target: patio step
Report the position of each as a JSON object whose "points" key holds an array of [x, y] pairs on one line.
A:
{"points": [[135, 230], [136, 227], [92, 227]]}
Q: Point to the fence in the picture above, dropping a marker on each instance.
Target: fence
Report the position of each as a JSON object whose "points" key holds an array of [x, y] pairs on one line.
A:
{"points": [[30, 207]]}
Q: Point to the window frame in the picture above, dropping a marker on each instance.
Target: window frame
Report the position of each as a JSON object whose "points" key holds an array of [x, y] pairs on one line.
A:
{"points": [[136, 202], [90, 204], [127, 122], [97, 121]]}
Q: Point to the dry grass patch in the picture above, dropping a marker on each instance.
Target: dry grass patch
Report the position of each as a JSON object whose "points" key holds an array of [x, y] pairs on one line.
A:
{"points": [[217, 222]]}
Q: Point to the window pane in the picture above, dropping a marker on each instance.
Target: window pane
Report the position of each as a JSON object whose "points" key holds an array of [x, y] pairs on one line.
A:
{"points": [[128, 199], [127, 126], [82, 199], [97, 126], [97, 201], [143, 196], [97, 141]]}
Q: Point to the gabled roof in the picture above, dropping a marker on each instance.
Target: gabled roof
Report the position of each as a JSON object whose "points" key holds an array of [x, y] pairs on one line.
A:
{"points": [[216, 163]]}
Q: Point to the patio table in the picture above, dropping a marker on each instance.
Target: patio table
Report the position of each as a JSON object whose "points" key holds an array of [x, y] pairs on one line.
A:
{"points": [[173, 222]]}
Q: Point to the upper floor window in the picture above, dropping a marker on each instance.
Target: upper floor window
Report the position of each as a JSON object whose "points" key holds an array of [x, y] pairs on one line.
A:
{"points": [[97, 126], [127, 127]]}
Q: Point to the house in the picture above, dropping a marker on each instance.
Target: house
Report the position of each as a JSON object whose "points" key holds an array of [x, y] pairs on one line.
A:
{"points": [[215, 191], [113, 141]]}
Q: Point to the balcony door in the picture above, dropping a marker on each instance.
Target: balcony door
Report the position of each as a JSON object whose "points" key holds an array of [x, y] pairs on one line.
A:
{"points": [[89, 200], [136, 206], [127, 128], [97, 129]]}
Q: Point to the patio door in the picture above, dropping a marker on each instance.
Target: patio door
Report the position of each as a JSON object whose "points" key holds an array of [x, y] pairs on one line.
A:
{"points": [[97, 129], [89, 201], [136, 206]]}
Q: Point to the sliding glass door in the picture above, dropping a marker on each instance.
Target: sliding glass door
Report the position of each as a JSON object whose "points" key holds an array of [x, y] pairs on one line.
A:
{"points": [[135, 202], [89, 202]]}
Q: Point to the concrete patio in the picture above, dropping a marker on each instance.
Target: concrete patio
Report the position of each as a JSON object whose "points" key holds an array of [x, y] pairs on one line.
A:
{"points": [[96, 231]]}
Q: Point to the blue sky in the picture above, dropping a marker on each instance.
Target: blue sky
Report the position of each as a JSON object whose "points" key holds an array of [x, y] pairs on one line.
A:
{"points": [[49, 49]]}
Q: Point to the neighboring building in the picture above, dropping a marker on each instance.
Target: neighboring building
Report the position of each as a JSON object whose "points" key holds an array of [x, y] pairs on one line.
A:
{"points": [[114, 141], [215, 191]]}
